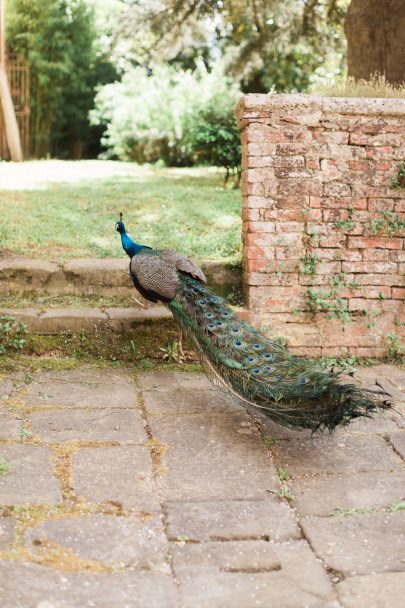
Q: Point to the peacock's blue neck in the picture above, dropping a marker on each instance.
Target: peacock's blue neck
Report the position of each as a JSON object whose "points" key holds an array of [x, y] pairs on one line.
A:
{"points": [[130, 247]]}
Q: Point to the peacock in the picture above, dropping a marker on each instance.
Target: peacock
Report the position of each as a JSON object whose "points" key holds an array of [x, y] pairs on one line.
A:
{"points": [[293, 391]]}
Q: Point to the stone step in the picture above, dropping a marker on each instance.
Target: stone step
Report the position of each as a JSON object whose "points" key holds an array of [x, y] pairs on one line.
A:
{"points": [[72, 320], [88, 276]]}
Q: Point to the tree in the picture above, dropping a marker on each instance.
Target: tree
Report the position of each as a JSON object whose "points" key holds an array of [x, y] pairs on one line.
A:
{"points": [[57, 38], [375, 31], [265, 43]]}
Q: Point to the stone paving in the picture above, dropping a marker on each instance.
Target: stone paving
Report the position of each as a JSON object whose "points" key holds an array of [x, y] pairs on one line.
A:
{"points": [[124, 489]]}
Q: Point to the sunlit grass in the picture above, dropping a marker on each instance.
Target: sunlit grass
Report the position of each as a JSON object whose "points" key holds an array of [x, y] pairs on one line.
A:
{"points": [[186, 209], [377, 86]]}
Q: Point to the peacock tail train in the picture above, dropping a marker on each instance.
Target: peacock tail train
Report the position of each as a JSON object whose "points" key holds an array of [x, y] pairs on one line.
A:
{"points": [[292, 391]]}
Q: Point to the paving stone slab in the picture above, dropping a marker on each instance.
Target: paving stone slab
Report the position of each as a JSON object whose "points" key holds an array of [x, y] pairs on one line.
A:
{"points": [[189, 401], [359, 544], [322, 495], [7, 526], [64, 394], [119, 474], [232, 520], [25, 585], [340, 453], [30, 478], [170, 381], [130, 542], [6, 387], [86, 374], [250, 573], [373, 591], [213, 457], [381, 423], [391, 377], [398, 441], [89, 425], [9, 426]]}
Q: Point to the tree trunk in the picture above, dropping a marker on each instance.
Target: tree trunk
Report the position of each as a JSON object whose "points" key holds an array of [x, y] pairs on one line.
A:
{"points": [[375, 31]]}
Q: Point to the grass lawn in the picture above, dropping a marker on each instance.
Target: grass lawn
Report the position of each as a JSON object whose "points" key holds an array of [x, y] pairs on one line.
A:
{"points": [[62, 209]]}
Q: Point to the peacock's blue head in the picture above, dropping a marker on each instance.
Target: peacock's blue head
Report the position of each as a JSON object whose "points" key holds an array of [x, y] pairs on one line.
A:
{"points": [[119, 226]]}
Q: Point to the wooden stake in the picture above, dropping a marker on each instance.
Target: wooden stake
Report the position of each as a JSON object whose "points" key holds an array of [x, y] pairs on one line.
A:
{"points": [[6, 101]]}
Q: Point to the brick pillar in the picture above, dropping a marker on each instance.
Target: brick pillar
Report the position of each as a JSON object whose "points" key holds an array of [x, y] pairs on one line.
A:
{"points": [[324, 221]]}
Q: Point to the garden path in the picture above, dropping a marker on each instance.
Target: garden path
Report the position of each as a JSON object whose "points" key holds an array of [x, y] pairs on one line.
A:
{"points": [[152, 490]]}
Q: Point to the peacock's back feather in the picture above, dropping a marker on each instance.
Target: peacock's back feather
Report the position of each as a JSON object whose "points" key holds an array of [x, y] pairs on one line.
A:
{"points": [[293, 391]]}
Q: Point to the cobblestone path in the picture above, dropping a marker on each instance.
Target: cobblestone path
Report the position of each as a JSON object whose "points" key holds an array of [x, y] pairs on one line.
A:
{"points": [[152, 490]]}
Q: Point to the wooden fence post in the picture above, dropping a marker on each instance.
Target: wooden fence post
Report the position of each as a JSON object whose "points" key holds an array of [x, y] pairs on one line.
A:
{"points": [[6, 101]]}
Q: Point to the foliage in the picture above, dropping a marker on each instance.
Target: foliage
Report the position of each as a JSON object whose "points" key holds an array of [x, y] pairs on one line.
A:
{"points": [[389, 223], [11, 334], [196, 122], [265, 43], [184, 209], [329, 300], [57, 38], [377, 86], [4, 467], [346, 224], [399, 179], [309, 263], [396, 349]]}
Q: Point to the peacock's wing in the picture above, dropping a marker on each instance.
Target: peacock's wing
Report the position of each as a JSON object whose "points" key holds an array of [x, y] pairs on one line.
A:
{"points": [[155, 275], [183, 264]]}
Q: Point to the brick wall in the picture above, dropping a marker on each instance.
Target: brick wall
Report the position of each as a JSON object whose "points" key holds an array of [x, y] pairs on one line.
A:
{"points": [[323, 226]]}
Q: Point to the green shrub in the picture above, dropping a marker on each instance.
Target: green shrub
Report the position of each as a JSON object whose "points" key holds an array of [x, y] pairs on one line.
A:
{"points": [[176, 116], [11, 334]]}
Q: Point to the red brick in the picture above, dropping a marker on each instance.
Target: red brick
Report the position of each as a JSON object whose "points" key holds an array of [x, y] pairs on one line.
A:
{"points": [[259, 228], [383, 166], [398, 293], [313, 164], [344, 203], [400, 206], [259, 175], [261, 149], [297, 187], [360, 165], [333, 215], [332, 240], [255, 265], [376, 255], [328, 268], [374, 242], [335, 137], [292, 202], [373, 267], [378, 279], [397, 256], [380, 152], [381, 204], [376, 305]]}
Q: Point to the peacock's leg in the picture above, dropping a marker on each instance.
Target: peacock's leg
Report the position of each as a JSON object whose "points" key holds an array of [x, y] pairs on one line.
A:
{"points": [[138, 302], [181, 351]]}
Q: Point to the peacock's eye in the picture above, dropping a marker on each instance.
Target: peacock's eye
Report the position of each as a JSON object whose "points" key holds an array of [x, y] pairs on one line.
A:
{"points": [[301, 381], [225, 313], [268, 368], [238, 343], [218, 323], [235, 330], [257, 346], [211, 326], [209, 315], [256, 371], [250, 359], [267, 356], [202, 302]]}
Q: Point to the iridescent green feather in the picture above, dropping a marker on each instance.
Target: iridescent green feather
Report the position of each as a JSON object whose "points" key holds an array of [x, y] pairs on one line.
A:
{"points": [[293, 391]]}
